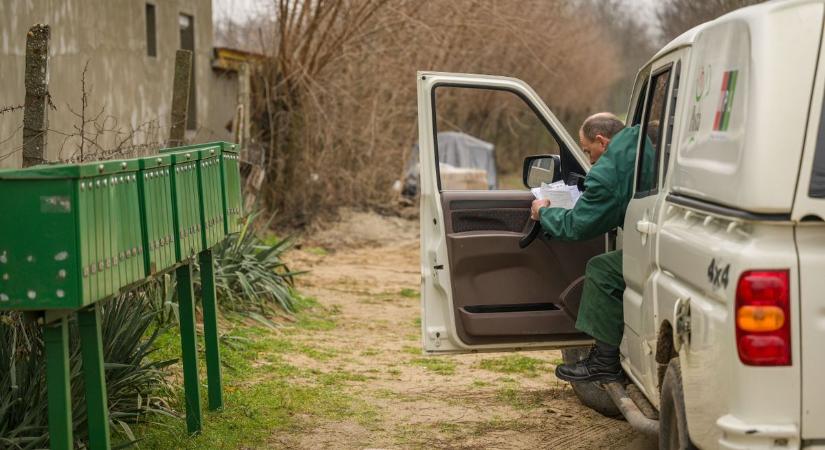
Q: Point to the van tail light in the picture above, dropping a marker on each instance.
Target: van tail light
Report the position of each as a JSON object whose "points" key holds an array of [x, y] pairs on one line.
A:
{"points": [[763, 318]]}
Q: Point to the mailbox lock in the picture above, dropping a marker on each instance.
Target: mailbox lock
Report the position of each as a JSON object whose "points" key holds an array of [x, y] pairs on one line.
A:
{"points": [[100, 168], [123, 165], [159, 160], [188, 155]]}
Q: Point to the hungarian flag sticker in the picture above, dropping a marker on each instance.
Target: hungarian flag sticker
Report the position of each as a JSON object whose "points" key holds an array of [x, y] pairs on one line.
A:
{"points": [[722, 119]]}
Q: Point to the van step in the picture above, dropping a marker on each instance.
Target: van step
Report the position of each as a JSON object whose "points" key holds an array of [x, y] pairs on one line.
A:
{"points": [[631, 412]]}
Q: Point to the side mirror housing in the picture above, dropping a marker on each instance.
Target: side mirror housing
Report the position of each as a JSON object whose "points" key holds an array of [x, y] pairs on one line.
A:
{"points": [[540, 169]]}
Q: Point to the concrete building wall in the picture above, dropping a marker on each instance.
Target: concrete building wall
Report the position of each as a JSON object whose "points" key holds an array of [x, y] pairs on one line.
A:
{"points": [[133, 90]]}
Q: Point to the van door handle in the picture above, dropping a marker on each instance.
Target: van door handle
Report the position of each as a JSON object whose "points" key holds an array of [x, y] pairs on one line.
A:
{"points": [[646, 227]]}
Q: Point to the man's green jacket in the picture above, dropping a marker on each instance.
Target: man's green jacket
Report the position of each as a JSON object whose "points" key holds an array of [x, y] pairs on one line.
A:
{"points": [[608, 189]]}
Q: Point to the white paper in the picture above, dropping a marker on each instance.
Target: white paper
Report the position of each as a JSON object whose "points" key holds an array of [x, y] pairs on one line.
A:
{"points": [[559, 194]]}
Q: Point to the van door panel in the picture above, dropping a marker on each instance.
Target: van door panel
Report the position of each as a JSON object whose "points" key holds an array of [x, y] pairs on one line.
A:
{"points": [[502, 293]]}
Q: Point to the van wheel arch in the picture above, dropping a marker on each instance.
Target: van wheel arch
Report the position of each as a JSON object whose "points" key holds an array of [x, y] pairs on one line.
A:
{"points": [[665, 350]]}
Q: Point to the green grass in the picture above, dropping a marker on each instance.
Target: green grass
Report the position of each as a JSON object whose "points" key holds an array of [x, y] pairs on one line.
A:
{"points": [[409, 349], [524, 365], [318, 251], [409, 293], [519, 398], [439, 365], [263, 393]]}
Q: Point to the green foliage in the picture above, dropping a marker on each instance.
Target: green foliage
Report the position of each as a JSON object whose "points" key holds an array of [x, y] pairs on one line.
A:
{"points": [[409, 293], [250, 276], [133, 380]]}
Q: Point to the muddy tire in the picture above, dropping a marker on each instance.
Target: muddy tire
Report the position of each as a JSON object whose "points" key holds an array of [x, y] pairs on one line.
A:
{"points": [[673, 431], [591, 395]]}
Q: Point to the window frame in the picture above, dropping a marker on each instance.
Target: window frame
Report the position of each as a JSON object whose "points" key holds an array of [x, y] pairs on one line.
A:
{"points": [[150, 11], [654, 188]]}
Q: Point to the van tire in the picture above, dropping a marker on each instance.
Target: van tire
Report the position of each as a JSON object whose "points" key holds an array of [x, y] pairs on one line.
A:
{"points": [[673, 429], [590, 394]]}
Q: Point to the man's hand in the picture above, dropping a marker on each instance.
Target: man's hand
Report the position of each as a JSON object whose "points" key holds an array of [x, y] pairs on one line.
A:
{"points": [[538, 204]]}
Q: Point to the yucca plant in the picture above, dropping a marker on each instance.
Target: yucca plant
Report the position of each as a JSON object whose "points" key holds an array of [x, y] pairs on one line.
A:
{"points": [[133, 382], [250, 275]]}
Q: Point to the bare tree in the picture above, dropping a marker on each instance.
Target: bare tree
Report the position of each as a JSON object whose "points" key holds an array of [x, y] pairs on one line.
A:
{"points": [[334, 103], [677, 16]]}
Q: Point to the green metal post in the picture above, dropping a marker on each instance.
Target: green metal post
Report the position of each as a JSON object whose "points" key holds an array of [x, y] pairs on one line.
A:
{"points": [[189, 347], [91, 347], [56, 339], [210, 330]]}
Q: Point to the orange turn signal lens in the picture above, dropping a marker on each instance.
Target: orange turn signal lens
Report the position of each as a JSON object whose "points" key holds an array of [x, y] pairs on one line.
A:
{"points": [[760, 318]]}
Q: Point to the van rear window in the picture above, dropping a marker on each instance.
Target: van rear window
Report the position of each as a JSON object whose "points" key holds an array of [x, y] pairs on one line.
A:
{"points": [[817, 187]]}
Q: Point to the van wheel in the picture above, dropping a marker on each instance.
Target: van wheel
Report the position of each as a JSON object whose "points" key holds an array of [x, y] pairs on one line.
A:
{"points": [[590, 394], [673, 430]]}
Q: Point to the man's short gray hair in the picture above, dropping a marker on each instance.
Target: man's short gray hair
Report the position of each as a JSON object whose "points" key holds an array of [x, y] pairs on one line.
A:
{"points": [[603, 123]]}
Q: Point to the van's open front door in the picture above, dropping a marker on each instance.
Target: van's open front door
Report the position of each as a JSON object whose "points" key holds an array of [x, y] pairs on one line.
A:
{"points": [[480, 291]]}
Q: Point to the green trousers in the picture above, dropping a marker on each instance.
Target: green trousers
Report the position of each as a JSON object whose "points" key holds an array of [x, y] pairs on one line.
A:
{"points": [[601, 314]]}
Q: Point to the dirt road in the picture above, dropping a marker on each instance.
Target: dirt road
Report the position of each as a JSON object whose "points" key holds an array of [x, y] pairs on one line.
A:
{"points": [[370, 283]]}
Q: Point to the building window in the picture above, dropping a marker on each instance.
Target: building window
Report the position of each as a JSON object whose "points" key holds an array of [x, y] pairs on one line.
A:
{"points": [[187, 42], [151, 31]]}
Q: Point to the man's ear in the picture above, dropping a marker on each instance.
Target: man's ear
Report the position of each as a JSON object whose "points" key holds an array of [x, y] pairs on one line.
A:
{"points": [[602, 140]]}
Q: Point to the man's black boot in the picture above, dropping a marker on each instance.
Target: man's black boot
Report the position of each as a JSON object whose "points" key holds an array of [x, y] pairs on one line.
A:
{"points": [[602, 364]]}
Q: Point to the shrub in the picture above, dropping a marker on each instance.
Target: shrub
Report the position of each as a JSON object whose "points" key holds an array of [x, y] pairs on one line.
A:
{"points": [[133, 382], [250, 275]]}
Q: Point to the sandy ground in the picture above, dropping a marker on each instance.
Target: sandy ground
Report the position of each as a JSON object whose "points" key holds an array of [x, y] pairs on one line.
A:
{"points": [[418, 401]]}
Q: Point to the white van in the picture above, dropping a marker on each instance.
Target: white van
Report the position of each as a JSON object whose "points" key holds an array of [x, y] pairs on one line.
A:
{"points": [[724, 259]]}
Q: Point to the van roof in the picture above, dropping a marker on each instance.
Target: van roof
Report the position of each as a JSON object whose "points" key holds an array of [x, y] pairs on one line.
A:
{"points": [[748, 14]]}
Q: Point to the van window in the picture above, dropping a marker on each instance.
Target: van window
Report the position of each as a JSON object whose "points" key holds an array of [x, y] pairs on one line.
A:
{"points": [[671, 119], [817, 187], [482, 137], [640, 105], [647, 175]]}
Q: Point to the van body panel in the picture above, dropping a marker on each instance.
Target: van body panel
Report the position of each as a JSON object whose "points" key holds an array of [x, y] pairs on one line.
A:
{"points": [[750, 86], [810, 241], [715, 381]]}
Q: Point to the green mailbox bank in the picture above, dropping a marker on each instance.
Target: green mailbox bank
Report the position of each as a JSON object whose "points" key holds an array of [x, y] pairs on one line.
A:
{"points": [[72, 235]]}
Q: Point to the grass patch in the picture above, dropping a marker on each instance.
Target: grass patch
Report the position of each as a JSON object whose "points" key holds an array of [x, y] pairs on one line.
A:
{"points": [[318, 354], [409, 293], [557, 361], [439, 365], [318, 251], [410, 350], [518, 398], [480, 383], [524, 365], [263, 393]]}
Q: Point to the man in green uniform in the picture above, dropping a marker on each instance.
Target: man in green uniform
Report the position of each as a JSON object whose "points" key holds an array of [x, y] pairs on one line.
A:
{"points": [[601, 208]]}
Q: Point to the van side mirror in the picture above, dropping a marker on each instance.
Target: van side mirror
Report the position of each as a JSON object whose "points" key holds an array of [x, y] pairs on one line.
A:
{"points": [[540, 169]]}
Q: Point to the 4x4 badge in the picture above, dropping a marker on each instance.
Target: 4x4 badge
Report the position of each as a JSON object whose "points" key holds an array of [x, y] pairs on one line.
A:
{"points": [[717, 275]]}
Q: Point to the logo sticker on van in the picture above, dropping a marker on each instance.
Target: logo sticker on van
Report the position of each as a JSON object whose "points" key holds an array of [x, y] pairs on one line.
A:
{"points": [[701, 90], [722, 119]]}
